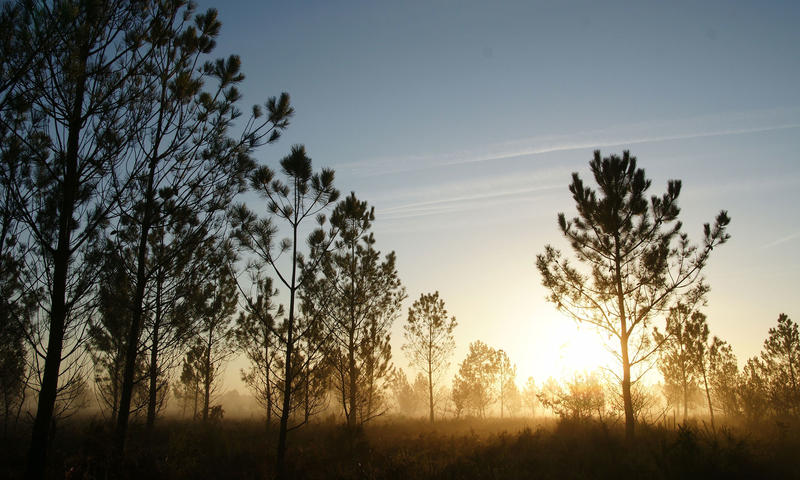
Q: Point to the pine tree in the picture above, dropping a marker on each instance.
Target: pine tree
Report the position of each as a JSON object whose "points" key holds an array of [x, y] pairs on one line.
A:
{"points": [[359, 296], [475, 386], [429, 340], [636, 256], [780, 359], [304, 196]]}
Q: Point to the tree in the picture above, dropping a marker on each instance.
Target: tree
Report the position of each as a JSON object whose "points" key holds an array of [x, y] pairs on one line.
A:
{"points": [[723, 376], [579, 399], [254, 336], [190, 165], [637, 258], [754, 391], [107, 334], [79, 83], [359, 296], [529, 396], [779, 360], [681, 355], [17, 300], [188, 390], [429, 340], [215, 333], [506, 380], [305, 195], [475, 386]]}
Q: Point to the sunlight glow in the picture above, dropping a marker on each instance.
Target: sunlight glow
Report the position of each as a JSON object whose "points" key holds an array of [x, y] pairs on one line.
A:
{"points": [[571, 349]]}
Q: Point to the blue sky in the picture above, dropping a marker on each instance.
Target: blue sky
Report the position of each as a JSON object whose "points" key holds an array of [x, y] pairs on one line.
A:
{"points": [[462, 121]]}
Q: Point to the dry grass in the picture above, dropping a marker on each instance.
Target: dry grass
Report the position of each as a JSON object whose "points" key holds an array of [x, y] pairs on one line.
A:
{"points": [[414, 449]]}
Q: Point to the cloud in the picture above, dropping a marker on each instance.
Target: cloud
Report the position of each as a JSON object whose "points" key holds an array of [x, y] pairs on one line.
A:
{"points": [[704, 126], [787, 238], [461, 203]]}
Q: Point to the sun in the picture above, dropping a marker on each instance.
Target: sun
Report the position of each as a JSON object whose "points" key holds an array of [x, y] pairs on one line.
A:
{"points": [[564, 348], [583, 349]]}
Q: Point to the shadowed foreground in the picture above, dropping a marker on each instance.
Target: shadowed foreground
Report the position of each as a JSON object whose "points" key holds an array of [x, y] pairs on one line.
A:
{"points": [[412, 449]]}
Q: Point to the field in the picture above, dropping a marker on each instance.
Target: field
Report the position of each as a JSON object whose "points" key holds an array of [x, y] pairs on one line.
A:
{"points": [[411, 449]]}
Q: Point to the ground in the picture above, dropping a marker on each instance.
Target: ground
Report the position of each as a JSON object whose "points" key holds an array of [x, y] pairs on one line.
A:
{"points": [[413, 449]]}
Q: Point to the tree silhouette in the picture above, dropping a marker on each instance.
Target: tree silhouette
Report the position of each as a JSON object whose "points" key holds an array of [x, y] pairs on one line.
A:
{"points": [[17, 300], [358, 295], [254, 335], [475, 384], [429, 340], [581, 397], [304, 196], [190, 164], [723, 376], [529, 395], [779, 360], [76, 73], [107, 334], [217, 301], [682, 350], [754, 391], [637, 258], [506, 378]]}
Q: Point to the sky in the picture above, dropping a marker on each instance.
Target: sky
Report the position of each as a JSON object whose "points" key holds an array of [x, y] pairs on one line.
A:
{"points": [[461, 123]]}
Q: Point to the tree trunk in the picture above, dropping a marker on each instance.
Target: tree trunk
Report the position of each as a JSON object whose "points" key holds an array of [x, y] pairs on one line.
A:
{"points": [[194, 413], [708, 397], [626, 392], [152, 400], [136, 319], [37, 455], [267, 387], [351, 362], [430, 387], [208, 375], [623, 340], [287, 379]]}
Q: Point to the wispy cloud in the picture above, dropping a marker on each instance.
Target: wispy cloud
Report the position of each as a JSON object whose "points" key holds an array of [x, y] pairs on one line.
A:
{"points": [[779, 241], [705, 126], [461, 203]]}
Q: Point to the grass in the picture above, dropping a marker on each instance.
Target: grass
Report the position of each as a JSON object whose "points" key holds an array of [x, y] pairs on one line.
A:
{"points": [[412, 449]]}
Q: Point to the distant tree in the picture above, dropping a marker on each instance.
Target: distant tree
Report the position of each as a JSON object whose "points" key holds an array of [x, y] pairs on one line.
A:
{"points": [[512, 398], [475, 386], [404, 398], [215, 334], [529, 396], [698, 329], [780, 360], [358, 295], [580, 398], [188, 389], [107, 335], [304, 196], [506, 380], [681, 355], [255, 338], [429, 340], [723, 377], [754, 391], [636, 255]]}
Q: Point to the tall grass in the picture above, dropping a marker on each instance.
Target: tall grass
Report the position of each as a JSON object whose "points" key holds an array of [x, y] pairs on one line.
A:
{"points": [[414, 449]]}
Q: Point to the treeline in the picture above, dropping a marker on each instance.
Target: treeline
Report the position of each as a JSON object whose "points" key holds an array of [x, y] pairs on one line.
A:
{"points": [[699, 375]]}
